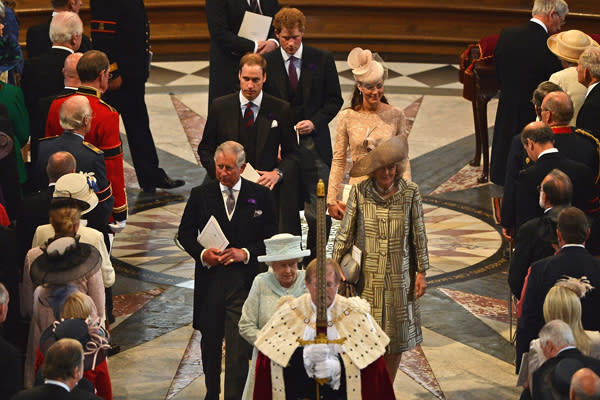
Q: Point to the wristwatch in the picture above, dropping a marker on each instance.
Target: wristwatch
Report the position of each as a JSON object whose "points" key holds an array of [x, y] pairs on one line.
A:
{"points": [[279, 173]]}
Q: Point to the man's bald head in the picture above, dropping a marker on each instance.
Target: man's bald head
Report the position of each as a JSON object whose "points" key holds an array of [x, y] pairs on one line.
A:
{"points": [[560, 108], [70, 70], [59, 164], [585, 385]]}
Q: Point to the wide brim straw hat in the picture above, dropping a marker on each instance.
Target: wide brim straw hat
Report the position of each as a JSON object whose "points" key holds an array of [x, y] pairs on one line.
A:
{"points": [[569, 45], [64, 260], [283, 246], [76, 186], [387, 152], [366, 67]]}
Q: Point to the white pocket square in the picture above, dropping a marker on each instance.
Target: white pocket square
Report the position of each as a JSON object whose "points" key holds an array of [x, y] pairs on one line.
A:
{"points": [[257, 213], [274, 124]]}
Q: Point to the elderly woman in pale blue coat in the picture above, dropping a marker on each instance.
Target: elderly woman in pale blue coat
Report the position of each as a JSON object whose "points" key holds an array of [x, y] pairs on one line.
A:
{"points": [[284, 251]]}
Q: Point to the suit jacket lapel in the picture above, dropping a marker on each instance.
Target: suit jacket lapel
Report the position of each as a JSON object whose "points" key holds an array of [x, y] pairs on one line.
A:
{"points": [[237, 123], [280, 76], [242, 208], [263, 125], [306, 75]]}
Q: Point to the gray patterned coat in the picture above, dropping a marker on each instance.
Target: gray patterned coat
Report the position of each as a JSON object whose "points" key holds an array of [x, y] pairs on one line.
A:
{"points": [[391, 234]]}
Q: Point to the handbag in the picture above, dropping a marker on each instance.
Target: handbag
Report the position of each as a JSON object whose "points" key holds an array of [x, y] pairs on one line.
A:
{"points": [[350, 268]]}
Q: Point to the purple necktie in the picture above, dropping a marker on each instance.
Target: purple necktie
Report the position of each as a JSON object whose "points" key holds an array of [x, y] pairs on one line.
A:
{"points": [[292, 73], [248, 116], [254, 6]]}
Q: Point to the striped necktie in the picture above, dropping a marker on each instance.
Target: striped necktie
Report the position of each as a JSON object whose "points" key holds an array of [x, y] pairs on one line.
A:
{"points": [[254, 6], [249, 115], [230, 201]]}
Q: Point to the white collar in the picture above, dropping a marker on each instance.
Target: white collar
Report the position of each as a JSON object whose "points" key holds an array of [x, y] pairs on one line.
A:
{"points": [[257, 101], [63, 48], [57, 383], [548, 151], [565, 348], [77, 134], [236, 187], [540, 23], [589, 89], [297, 54], [573, 245]]}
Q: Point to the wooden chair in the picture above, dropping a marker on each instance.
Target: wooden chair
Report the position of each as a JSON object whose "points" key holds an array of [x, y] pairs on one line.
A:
{"points": [[477, 73]]}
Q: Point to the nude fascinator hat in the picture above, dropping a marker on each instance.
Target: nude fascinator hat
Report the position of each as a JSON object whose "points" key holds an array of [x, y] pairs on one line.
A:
{"points": [[569, 45], [387, 152], [366, 67]]}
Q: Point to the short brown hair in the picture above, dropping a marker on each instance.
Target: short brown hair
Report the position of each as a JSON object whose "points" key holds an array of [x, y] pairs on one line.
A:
{"points": [[62, 358], [573, 225], [253, 59], [91, 64], [289, 18], [311, 270]]}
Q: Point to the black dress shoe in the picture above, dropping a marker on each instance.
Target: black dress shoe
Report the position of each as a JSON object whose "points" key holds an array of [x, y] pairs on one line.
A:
{"points": [[167, 183]]}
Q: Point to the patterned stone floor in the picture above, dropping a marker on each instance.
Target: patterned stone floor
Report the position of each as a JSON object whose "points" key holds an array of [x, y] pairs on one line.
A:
{"points": [[466, 353]]}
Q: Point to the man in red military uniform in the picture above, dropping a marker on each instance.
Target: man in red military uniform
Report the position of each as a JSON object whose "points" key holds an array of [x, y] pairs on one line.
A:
{"points": [[93, 70]]}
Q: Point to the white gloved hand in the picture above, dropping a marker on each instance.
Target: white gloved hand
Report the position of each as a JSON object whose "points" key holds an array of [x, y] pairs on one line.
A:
{"points": [[118, 226], [316, 352], [330, 369]]}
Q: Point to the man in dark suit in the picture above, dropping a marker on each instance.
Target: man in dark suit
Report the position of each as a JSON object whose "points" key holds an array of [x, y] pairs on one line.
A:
{"points": [[537, 236], [62, 370], [262, 124], [522, 61], [42, 76], [120, 29], [34, 209], [245, 213], [523, 203], [40, 114], [553, 378], [588, 74], [572, 260], [224, 18], [76, 116], [38, 38], [311, 86], [11, 362]]}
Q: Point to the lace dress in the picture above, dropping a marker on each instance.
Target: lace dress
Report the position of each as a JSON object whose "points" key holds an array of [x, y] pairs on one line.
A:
{"points": [[361, 130]]}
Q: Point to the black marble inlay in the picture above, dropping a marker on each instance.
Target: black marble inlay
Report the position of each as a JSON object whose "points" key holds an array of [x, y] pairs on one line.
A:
{"points": [[462, 326], [163, 76], [167, 312], [438, 76]]}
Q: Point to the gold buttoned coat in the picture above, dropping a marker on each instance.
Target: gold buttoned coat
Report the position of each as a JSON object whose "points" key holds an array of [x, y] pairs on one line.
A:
{"points": [[390, 232]]}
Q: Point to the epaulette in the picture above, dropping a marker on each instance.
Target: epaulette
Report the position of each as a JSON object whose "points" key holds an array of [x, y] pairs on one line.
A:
{"points": [[92, 147], [589, 135], [527, 160], [111, 108], [60, 96], [46, 138]]}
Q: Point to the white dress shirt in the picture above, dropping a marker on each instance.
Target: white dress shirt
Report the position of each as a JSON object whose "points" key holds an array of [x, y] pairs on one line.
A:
{"points": [[255, 104], [297, 61]]}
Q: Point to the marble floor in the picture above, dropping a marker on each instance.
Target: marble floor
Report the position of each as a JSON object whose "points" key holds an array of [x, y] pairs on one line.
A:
{"points": [[466, 352]]}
